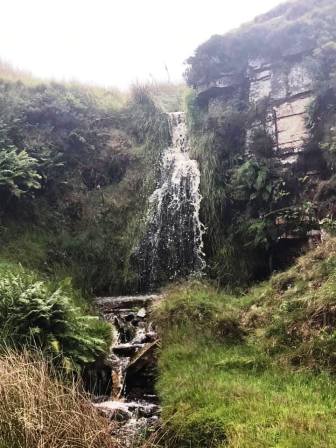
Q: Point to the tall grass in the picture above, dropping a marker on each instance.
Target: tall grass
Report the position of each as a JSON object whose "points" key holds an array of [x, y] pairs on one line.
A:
{"points": [[38, 410], [10, 73]]}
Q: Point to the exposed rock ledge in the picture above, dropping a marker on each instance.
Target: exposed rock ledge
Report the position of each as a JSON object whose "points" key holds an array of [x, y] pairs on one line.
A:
{"points": [[289, 87]]}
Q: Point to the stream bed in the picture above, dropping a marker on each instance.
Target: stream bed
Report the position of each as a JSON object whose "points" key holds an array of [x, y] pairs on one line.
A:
{"points": [[133, 402]]}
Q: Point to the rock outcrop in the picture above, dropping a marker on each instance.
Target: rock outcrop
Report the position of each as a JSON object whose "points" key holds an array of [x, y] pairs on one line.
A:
{"points": [[287, 88]]}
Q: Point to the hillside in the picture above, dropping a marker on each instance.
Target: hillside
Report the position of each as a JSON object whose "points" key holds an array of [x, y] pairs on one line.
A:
{"points": [[175, 246], [261, 118], [255, 370], [77, 205], [253, 366]]}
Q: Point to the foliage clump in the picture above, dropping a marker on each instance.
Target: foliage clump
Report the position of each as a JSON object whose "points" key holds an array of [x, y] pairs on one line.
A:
{"points": [[37, 313], [18, 174]]}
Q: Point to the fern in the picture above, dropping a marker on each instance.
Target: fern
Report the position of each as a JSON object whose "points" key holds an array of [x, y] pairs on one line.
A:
{"points": [[18, 174], [34, 312]]}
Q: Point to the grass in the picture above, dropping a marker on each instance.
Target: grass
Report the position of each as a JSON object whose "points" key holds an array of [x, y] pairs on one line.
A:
{"points": [[254, 370], [168, 96], [38, 410], [28, 246], [216, 397]]}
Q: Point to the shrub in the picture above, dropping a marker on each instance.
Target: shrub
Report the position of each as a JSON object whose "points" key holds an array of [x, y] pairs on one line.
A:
{"points": [[188, 309], [18, 174], [35, 312], [196, 431]]}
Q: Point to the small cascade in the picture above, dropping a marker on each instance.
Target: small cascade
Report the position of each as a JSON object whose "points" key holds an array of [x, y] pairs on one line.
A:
{"points": [[133, 362], [173, 247]]}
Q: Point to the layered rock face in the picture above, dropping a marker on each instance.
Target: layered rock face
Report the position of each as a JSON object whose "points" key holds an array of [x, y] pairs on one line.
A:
{"points": [[289, 87], [286, 87]]}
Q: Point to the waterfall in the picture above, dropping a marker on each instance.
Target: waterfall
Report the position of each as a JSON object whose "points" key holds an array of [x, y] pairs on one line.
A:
{"points": [[172, 246], [132, 360]]}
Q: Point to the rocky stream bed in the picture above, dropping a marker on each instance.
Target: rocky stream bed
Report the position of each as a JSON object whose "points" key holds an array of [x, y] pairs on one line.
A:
{"points": [[132, 360]]}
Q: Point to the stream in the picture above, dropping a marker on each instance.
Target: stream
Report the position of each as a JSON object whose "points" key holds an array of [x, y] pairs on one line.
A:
{"points": [[132, 360], [171, 248]]}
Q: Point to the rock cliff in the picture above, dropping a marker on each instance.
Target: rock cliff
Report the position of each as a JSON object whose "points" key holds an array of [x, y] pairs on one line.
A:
{"points": [[262, 117]]}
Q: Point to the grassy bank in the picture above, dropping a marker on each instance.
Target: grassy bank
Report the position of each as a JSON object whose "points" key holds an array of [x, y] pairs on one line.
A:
{"points": [[254, 370]]}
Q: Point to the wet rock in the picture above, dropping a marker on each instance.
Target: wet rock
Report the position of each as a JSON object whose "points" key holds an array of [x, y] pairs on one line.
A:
{"points": [[133, 405], [141, 372], [130, 434], [149, 411], [140, 337], [115, 410], [145, 357], [142, 313], [122, 411], [151, 336], [110, 304], [128, 349]]}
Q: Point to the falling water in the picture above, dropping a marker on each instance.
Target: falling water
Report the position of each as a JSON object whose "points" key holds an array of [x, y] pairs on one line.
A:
{"points": [[132, 359], [172, 247]]}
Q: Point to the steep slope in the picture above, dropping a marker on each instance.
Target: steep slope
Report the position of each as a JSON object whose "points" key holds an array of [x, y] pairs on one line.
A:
{"points": [[77, 166], [262, 117]]}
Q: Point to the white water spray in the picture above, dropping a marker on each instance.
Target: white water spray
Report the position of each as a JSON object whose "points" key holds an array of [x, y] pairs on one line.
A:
{"points": [[173, 244]]}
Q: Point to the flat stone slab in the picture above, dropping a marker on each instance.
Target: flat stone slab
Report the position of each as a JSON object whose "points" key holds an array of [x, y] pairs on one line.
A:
{"points": [[109, 304]]}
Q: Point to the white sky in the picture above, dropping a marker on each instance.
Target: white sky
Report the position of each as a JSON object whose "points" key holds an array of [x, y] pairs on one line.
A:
{"points": [[114, 42]]}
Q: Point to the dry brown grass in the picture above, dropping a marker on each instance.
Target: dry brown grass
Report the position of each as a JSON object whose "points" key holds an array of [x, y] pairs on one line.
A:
{"points": [[10, 73], [37, 410]]}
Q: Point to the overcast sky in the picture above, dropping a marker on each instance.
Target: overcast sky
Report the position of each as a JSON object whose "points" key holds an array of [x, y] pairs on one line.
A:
{"points": [[114, 42]]}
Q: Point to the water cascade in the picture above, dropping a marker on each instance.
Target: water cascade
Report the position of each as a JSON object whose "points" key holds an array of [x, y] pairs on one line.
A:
{"points": [[172, 246], [132, 360]]}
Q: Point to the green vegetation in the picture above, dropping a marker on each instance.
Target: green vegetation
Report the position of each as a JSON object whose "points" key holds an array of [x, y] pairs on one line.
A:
{"points": [[249, 200], [38, 313], [240, 366], [18, 173], [254, 370], [77, 167], [291, 28]]}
